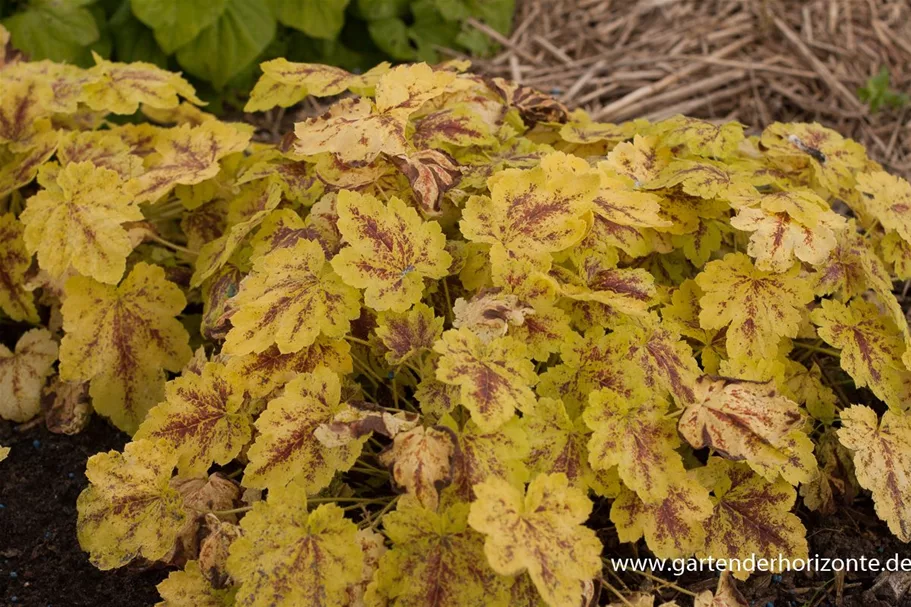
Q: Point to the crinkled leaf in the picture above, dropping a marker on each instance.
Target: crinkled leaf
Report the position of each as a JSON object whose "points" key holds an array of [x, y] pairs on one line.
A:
{"points": [[121, 87], [123, 339], [421, 462], [539, 531], [177, 22], [408, 334], [23, 373], [129, 510]]}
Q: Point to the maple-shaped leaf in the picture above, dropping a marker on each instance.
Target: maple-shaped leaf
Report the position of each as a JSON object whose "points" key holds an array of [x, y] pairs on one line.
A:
{"points": [[289, 556], [188, 155], [681, 315], [286, 448], [104, 149], [421, 462], [706, 179], [452, 126], [617, 292], [558, 442], [539, 531], [290, 297], [494, 378], [588, 364], [544, 330], [535, 211], [19, 169], [121, 87], [635, 434], [807, 386], [750, 421], [832, 158], [23, 113], [673, 525], [436, 559], [785, 225], [852, 267], [408, 334], [250, 209], [390, 250], [481, 455], [580, 129], [640, 160], [888, 199], [204, 418], [751, 517], [77, 223], [190, 588], [490, 313], [15, 260], [836, 484], [123, 339], [129, 510], [882, 460], [758, 308], [871, 348], [666, 360], [897, 252], [263, 372], [23, 373], [285, 83], [431, 174], [619, 202], [700, 137]]}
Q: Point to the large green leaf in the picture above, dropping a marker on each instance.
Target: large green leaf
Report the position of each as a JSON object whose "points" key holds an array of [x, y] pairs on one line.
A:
{"points": [[391, 36], [177, 22], [133, 39], [317, 18], [54, 29], [231, 43], [374, 10]]}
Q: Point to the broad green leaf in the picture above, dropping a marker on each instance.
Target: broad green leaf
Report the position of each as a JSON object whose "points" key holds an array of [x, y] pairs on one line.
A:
{"points": [[49, 29], [746, 420], [751, 517], [436, 560], [231, 43], [758, 308], [177, 22], [15, 260], [882, 460], [130, 510], [539, 531], [289, 556], [871, 348], [316, 18], [76, 222], [23, 373], [123, 339], [204, 418], [391, 250], [286, 449], [289, 298], [494, 378]]}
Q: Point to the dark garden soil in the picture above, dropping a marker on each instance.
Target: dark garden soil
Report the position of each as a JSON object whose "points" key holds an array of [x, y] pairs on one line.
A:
{"points": [[41, 563]]}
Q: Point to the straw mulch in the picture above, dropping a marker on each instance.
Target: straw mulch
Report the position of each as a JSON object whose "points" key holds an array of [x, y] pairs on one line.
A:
{"points": [[755, 61]]}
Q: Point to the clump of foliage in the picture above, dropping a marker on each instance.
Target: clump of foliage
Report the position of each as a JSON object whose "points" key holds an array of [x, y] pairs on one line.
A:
{"points": [[878, 93], [221, 42], [439, 324]]}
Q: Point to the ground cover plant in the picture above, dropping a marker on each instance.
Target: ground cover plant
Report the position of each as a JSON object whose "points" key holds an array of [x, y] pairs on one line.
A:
{"points": [[399, 356], [221, 42]]}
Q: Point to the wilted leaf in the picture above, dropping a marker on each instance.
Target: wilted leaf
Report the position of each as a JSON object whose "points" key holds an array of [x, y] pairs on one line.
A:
{"points": [[494, 378], [835, 484], [757, 308], [635, 434], [288, 556], [672, 525], [421, 462], [490, 313], [123, 339], [289, 298], [121, 87], [390, 250], [286, 448], [214, 549], [201, 495], [539, 531], [408, 334], [745, 420], [70, 409], [431, 174], [882, 460], [436, 559], [129, 509], [204, 418], [23, 373], [871, 348], [751, 517], [725, 595], [77, 222]]}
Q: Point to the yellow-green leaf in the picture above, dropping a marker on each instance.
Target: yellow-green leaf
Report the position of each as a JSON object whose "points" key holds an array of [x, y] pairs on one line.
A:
{"points": [[23, 373], [15, 259]]}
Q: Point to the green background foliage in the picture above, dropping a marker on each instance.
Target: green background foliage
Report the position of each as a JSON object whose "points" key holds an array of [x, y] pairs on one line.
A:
{"points": [[222, 42]]}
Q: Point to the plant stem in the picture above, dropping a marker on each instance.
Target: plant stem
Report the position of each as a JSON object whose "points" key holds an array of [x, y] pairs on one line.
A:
{"points": [[170, 245], [819, 349], [358, 340], [664, 582]]}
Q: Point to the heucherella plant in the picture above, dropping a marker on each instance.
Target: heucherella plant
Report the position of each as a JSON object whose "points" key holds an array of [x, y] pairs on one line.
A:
{"points": [[439, 324]]}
